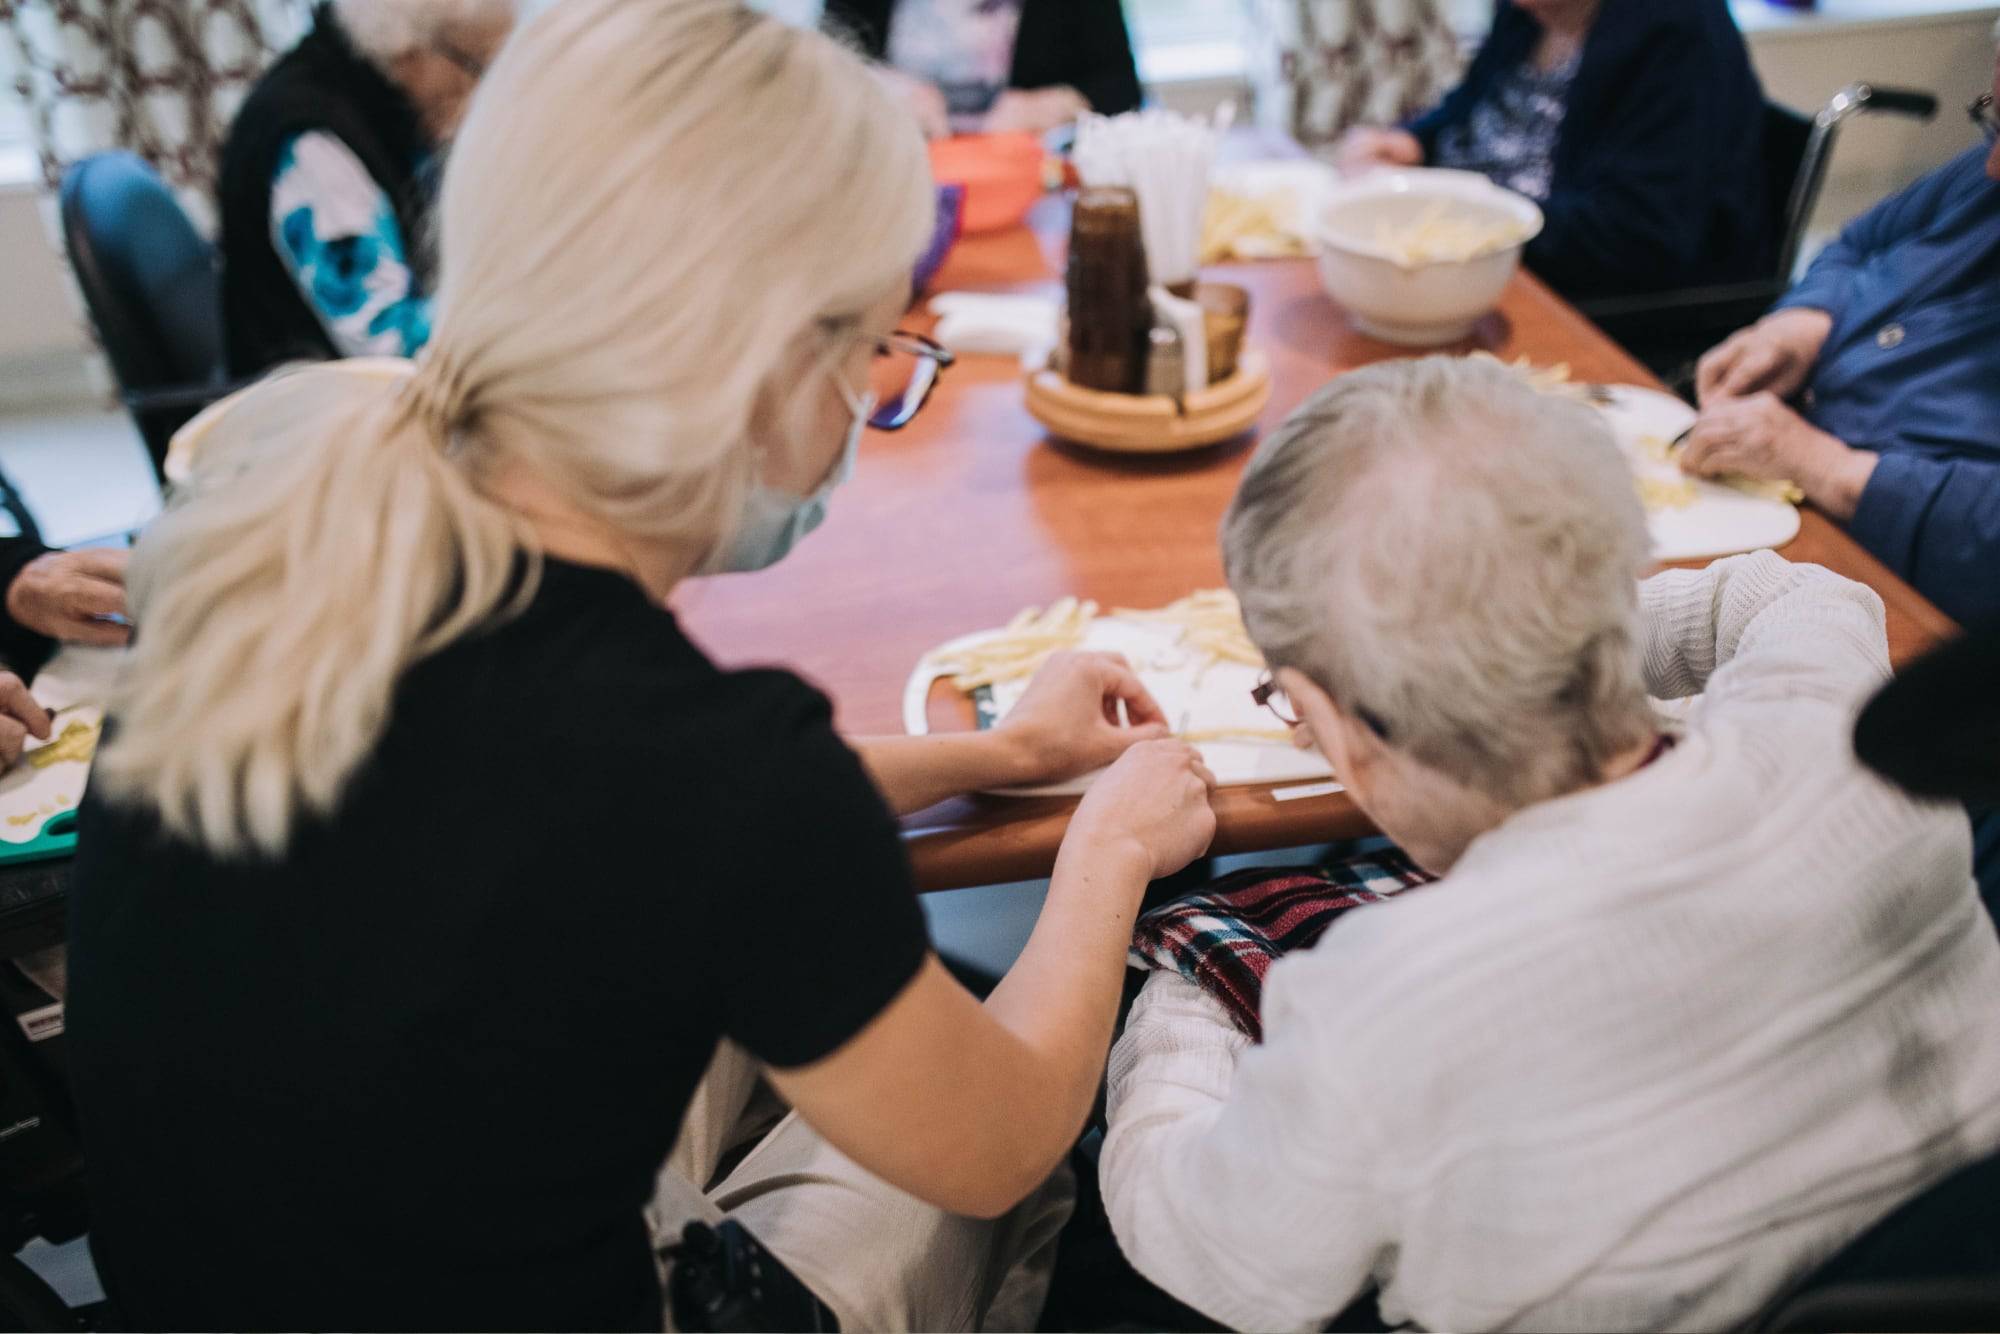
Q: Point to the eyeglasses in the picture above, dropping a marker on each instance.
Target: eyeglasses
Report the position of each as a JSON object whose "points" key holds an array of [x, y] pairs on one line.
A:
{"points": [[903, 376], [1984, 116], [1270, 695]]}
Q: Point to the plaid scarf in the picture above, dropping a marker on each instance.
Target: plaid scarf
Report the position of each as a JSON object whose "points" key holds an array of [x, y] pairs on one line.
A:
{"points": [[1225, 938]]}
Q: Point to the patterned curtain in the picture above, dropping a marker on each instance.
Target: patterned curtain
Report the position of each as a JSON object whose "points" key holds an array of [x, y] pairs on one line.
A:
{"points": [[1321, 66], [159, 77]]}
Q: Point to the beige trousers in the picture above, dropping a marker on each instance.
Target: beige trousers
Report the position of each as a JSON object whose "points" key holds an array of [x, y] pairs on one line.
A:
{"points": [[879, 1258]]}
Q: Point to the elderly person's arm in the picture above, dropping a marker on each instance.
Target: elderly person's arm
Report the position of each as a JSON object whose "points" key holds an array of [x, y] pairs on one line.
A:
{"points": [[1938, 521], [1776, 354], [1824, 635], [52, 597], [1624, 210], [1828, 281], [336, 232], [1230, 1181]]}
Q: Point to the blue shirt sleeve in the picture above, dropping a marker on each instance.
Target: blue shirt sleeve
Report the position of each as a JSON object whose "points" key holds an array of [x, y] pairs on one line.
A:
{"points": [[1830, 278], [1937, 521], [337, 233]]}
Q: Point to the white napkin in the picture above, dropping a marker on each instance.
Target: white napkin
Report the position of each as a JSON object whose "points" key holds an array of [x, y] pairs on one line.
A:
{"points": [[977, 324]]}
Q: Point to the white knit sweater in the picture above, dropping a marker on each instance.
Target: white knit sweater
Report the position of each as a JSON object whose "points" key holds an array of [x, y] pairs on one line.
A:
{"points": [[1647, 1054]]}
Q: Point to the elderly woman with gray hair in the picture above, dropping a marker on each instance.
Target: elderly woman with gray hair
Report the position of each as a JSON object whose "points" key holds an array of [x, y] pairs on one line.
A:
{"points": [[328, 174], [1691, 1004]]}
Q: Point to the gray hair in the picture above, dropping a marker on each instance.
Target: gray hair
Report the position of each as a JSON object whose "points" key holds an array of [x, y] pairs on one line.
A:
{"points": [[1453, 556], [382, 30]]}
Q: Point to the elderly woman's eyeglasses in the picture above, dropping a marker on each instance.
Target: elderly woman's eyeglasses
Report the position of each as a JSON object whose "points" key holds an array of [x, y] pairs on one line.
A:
{"points": [[1984, 116], [1271, 696], [902, 376]]}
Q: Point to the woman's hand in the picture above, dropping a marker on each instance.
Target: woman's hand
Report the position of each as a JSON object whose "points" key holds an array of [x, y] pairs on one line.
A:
{"points": [[67, 595], [923, 99], [20, 718], [1067, 723], [1759, 437], [1366, 147], [1151, 807], [1774, 355], [1034, 110]]}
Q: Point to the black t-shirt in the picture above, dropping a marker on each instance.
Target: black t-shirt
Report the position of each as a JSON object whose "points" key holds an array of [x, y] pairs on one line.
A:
{"points": [[422, 1071]]}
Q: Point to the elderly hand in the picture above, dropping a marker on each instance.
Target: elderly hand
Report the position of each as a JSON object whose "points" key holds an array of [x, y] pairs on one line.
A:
{"points": [[1067, 722], [1759, 437], [1153, 804], [1366, 147], [1034, 110], [20, 718], [1775, 354], [67, 595]]}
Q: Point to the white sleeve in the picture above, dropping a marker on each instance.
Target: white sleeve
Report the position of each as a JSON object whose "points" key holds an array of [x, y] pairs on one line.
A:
{"points": [[1229, 1180], [1760, 622]]}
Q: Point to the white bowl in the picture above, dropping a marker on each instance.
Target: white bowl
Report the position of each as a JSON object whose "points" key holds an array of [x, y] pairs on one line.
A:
{"points": [[1422, 304]]}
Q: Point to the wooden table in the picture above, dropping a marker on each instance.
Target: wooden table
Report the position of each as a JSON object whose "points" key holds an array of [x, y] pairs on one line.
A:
{"points": [[971, 514]]}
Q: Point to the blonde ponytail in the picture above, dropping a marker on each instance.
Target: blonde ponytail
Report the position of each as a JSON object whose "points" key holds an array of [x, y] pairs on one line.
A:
{"points": [[652, 208], [324, 544]]}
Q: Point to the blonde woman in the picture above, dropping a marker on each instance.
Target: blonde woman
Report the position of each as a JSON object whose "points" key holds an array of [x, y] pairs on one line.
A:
{"points": [[429, 861]]}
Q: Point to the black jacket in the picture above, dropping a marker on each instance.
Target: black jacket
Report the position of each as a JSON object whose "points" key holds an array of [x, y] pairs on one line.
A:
{"points": [[22, 651], [321, 84], [1082, 43], [1660, 179]]}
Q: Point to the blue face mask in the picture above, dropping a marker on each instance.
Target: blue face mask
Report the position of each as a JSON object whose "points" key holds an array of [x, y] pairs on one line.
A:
{"points": [[773, 521]]}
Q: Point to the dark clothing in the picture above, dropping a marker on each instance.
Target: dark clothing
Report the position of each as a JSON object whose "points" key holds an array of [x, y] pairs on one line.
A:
{"points": [[1659, 178], [1082, 43], [22, 651], [323, 84], [1935, 729], [422, 1071], [1911, 371]]}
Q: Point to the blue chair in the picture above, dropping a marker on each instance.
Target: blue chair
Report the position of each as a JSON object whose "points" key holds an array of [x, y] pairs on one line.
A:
{"points": [[153, 288]]}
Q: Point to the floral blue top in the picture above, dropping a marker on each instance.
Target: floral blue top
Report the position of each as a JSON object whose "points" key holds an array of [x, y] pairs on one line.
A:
{"points": [[337, 233], [1510, 137]]}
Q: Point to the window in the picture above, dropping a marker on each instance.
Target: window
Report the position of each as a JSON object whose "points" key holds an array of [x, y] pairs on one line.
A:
{"points": [[1188, 41], [1166, 23], [17, 159]]}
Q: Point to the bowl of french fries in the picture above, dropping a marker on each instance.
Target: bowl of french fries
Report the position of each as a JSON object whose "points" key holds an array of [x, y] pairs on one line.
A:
{"points": [[1418, 257]]}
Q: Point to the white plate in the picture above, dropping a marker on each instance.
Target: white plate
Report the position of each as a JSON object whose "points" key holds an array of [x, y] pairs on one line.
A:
{"points": [[1722, 521], [1208, 700]]}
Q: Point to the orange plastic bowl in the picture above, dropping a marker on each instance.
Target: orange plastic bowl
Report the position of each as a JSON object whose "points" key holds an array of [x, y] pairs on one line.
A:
{"points": [[1001, 173]]}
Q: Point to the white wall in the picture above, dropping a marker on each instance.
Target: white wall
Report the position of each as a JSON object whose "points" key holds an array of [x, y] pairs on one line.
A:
{"points": [[42, 340], [1950, 56]]}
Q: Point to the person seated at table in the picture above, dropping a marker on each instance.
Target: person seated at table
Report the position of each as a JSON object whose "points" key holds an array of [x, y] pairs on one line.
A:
{"points": [[327, 176], [1637, 127], [1691, 1005], [1875, 383], [996, 66], [428, 861], [52, 597]]}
